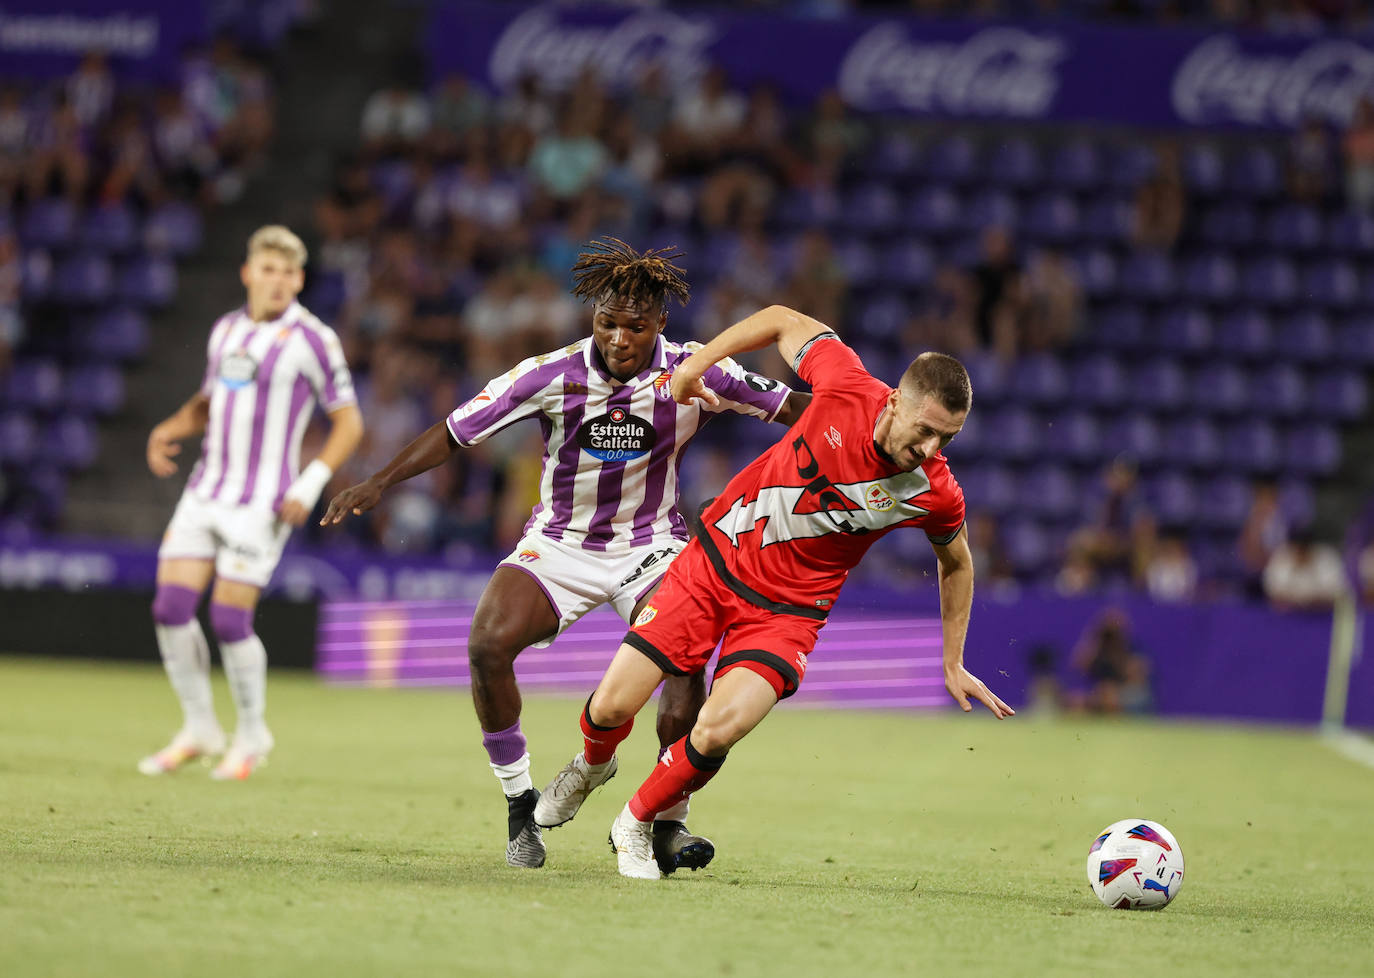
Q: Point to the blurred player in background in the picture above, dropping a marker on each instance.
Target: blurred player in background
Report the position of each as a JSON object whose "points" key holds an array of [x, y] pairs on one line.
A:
{"points": [[772, 553], [269, 364], [607, 523]]}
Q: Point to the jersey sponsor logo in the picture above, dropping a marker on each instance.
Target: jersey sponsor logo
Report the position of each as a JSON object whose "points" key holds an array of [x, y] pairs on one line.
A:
{"points": [[832, 437], [616, 436], [878, 499], [650, 563], [647, 615], [759, 383], [237, 370], [483, 395]]}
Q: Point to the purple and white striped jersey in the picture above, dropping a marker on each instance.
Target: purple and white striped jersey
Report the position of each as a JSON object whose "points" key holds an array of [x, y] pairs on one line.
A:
{"points": [[263, 381], [611, 449]]}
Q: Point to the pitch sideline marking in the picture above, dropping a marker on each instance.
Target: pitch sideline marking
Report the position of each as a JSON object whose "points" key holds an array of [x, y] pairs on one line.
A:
{"points": [[1350, 745]]}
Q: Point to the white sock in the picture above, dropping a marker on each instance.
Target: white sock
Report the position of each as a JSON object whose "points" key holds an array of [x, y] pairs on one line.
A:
{"points": [[245, 665], [678, 813], [515, 777], [186, 657]]}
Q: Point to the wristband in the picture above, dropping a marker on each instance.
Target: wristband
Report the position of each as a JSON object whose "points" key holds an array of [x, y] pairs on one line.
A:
{"points": [[310, 483]]}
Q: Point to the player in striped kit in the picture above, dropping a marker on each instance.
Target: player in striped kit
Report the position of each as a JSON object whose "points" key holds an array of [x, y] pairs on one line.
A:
{"points": [[269, 364], [607, 524]]}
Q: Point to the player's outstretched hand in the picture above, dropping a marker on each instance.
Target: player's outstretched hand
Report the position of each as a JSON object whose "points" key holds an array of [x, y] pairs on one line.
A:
{"points": [[293, 512], [161, 451], [687, 386], [963, 684], [355, 499]]}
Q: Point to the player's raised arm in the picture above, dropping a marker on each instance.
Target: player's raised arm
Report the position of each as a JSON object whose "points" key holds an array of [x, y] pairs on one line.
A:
{"points": [[956, 603], [345, 433], [431, 449], [187, 421], [786, 327]]}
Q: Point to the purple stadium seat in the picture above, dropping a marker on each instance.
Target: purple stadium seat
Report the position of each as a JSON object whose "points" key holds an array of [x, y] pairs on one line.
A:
{"points": [[935, 210], [1297, 501], [1097, 271], [1203, 169], [326, 293], [83, 279], [1231, 225], [1294, 227], [910, 264], [1049, 491], [1279, 391], [35, 275], [953, 160], [1137, 436], [110, 229], [1053, 218], [803, 208], [1251, 446], [174, 228], [148, 281], [1077, 165], [1014, 163], [1131, 165], [1028, 546], [1015, 434], [1039, 379], [1195, 442], [991, 487], [1159, 385], [1185, 330], [896, 156], [990, 376], [1270, 279], [393, 179], [1306, 337], [969, 441], [69, 442], [1098, 381], [1173, 497], [883, 316], [1351, 233], [990, 208], [1210, 276], [1312, 450], [859, 261], [1332, 283], [1148, 275], [1220, 388], [1340, 394], [872, 208], [47, 487], [1074, 436], [1108, 220], [95, 389], [18, 439], [1245, 334], [1224, 502], [48, 223], [1355, 341], [118, 334], [1256, 173], [32, 385]]}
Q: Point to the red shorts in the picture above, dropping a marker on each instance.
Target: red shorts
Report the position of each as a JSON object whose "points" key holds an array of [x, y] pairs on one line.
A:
{"points": [[694, 610]]}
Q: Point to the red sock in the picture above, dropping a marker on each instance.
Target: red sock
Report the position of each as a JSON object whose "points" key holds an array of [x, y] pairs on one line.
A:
{"points": [[682, 770], [599, 743]]}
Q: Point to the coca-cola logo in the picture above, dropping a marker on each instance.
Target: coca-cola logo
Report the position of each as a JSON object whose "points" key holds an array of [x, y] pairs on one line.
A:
{"points": [[616, 436], [1220, 82], [1000, 71], [539, 43]]}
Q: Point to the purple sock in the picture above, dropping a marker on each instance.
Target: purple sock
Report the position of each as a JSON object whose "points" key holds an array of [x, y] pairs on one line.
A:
{"points": [[174, 604], [505, 746], [231, 624]]}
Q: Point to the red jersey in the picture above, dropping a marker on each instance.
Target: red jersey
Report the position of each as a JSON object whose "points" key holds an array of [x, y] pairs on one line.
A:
{"points": [[786, 530]]}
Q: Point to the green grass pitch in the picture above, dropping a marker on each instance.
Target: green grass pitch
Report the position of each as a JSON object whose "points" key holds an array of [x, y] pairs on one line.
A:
{"points": [[847, 844]]}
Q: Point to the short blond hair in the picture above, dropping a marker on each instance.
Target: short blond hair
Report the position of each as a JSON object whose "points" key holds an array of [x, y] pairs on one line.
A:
{"points": [[278, 238]]}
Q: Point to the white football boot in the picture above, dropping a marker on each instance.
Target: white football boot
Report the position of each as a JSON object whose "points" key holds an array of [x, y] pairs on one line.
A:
{"points": [[244, 756], [633, 842], [184, 748], [569, 789]]}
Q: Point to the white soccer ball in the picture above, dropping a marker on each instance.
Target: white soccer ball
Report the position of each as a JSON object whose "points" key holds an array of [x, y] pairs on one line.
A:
{"points": [[1135, 864]]}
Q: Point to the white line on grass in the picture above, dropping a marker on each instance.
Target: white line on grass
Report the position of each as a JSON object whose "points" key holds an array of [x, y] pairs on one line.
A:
{"points": [[1351, 745]]}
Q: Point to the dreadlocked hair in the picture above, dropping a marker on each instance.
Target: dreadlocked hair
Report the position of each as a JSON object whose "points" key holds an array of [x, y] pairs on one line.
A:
{"points": [[610, 267]]}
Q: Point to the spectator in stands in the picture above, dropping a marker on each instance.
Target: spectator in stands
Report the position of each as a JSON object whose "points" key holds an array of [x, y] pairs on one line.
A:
{"points": [[395, 120], [1078, 574], [130, 167], [91, 90], [1265, 529], [457, 109], [1305, 574], [945, 321], [632, 165], [1053, 303], [1359, 157], [1111, 540], [11, 317], [834, 136], [1311, 161], [526, 107], [999, 291], [748, 166], [1160, 204], [705, 121], [1170, 573], [14, 133], [568, 161], [818, 285], [989, 556], [59, 154], [1118, 674], [181, 146], [650, 106]]}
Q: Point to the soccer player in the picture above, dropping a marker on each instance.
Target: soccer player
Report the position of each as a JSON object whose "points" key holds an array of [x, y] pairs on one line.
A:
{"points": [[268, 364], [773, 551], [607, 523]]}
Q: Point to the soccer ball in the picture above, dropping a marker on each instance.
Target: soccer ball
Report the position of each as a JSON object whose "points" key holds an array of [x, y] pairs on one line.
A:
{"points": [[1135, 864]]}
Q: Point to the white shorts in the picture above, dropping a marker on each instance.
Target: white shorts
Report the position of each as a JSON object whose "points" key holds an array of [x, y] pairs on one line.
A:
{"points": [[576, 581], [244, 543]]}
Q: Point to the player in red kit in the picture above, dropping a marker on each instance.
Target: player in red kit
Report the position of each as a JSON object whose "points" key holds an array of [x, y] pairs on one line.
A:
{"points": [[770, 557]]}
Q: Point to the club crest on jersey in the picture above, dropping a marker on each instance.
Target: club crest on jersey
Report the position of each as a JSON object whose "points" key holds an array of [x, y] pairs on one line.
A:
{"points": [[616, 436], [877, 499], [237, 370], [528, 556], [662, 385], [647, 615]]}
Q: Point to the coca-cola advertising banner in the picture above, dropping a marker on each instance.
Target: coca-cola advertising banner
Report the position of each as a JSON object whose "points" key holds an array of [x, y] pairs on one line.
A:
{"points": [[144, 39], [974, 70]]}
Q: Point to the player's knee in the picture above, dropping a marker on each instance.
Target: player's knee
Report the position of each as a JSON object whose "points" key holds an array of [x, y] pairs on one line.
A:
{"points": [[715, 735], [492, 647], [174, 605], [231, 624]]}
